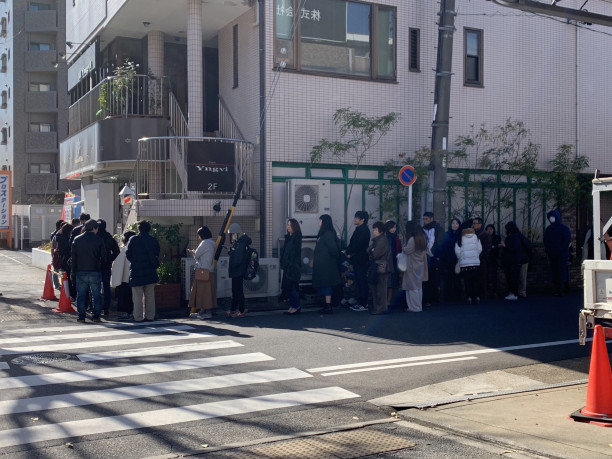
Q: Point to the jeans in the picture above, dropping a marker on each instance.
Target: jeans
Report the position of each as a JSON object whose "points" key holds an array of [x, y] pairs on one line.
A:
{"points": [[106, 288], [294, 296], [88, 281]]}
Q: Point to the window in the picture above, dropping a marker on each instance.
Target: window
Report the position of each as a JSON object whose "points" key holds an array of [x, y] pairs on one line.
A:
{"points": [[44, 168], [415, 50], [340, 37], [472, 60], [4, 99], [41, 127], [40, 87], [4, 136], [35, 6], [235, 54], [3, 27], [3, 60], [40, 46]]}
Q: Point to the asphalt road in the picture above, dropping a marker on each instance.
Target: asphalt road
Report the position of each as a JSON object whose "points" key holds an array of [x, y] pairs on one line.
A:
{"points": [[184, 384]]}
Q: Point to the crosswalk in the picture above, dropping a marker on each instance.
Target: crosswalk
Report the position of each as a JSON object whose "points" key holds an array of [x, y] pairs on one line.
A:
{"points": [[130, 377]]}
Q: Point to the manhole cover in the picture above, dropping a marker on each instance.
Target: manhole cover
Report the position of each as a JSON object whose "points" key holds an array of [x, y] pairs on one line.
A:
{"points": [[37, 359]]}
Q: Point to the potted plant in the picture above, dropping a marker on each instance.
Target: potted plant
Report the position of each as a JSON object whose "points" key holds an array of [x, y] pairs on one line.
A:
{"points": [[168, 290]]}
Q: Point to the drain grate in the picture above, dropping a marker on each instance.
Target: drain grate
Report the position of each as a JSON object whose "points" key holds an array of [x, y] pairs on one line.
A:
{"points": [[344, 445], [39, 359]]}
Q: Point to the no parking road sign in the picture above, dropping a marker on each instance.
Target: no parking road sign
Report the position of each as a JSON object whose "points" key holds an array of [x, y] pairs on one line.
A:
{"points": [[407, 175]]}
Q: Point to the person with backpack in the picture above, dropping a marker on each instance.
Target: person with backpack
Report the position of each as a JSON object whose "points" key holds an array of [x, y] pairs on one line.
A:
{"points": [[237, 267]]}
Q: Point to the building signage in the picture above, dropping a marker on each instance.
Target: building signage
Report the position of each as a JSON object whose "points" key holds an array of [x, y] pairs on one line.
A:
{"points": [[5, 201], [211, 167], [83, 66], [323, 20]]}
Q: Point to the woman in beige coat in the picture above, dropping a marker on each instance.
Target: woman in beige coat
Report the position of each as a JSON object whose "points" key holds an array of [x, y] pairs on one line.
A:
{"points": [[203, 294], [416, 271]]}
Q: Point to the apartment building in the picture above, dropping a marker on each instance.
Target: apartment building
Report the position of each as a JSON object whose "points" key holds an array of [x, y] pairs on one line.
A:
{"points": [[245, 89], [34, 102]]}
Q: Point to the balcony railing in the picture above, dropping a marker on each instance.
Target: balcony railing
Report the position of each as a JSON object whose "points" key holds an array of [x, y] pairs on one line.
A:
{"points": [[161, 170], [120, 97]]}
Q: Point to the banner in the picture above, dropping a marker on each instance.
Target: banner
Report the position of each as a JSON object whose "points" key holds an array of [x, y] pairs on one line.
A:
{"points": [[5, 201], [211, 167], [71, 210]]}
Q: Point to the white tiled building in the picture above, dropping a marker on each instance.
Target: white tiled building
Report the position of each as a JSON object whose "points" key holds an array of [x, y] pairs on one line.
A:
{"points": [[376, 57]]}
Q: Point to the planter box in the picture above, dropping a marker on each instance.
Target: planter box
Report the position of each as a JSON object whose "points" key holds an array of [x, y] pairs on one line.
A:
{"points": [[167, 296], [41, 258]]}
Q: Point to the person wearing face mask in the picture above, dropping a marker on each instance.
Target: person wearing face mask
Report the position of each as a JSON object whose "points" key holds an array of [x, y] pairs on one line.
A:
{"points": [[557, 239]]}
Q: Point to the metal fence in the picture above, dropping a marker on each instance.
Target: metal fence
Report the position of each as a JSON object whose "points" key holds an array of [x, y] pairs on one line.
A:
{"points": [[116, 96]]}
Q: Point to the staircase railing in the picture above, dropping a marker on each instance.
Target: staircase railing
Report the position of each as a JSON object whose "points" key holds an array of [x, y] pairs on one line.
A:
{"points": [[227, 124]]}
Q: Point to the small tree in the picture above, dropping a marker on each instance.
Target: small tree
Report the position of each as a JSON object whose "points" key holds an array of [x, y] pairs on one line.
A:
{"points": [[118, 88], [359, 133]]}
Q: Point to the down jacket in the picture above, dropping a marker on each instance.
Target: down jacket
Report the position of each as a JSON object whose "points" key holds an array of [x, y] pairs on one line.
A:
{"points": [[143, 254], [468, 253]]}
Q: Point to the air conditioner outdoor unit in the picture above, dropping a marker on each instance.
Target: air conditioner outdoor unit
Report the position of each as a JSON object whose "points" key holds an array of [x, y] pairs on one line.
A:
{"points": [[266, 283], [306, 201]]}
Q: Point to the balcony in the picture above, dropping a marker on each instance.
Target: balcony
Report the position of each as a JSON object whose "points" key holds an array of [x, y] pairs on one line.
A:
{"points": [[41, 183], [41, 142], [186, 175], [41, 101], [40, 61], [41, 21], [119, 97]]}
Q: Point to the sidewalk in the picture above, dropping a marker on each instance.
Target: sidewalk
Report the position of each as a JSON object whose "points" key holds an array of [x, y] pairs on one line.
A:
{"points": [[522, 409]]}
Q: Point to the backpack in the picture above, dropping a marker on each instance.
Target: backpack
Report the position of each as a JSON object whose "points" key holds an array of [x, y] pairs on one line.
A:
{"points": [[252, 260]]}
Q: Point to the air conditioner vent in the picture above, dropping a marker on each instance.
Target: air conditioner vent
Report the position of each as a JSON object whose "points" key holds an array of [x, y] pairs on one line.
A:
{"points": [[306, 199]]}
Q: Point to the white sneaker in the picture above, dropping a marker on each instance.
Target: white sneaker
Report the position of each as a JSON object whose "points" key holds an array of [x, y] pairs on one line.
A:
{"points": [[193, 315], [512, 296], [205, 315], [359, 308]]}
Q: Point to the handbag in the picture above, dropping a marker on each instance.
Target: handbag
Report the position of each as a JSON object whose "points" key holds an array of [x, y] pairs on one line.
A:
{"points": [[202, 274], [381, 267], [402, 261]]}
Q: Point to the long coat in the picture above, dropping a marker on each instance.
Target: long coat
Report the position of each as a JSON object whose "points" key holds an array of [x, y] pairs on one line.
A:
{"points": [[380, 250], [326, 259], [143, 254], [291, 259], [416, 267]]}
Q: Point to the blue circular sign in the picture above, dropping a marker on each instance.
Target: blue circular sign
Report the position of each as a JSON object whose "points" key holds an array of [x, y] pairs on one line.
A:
{"points": [[407, 175]]}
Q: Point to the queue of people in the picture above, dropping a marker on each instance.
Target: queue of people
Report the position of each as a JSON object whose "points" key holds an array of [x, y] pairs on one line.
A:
{"points": [[426, 265]]}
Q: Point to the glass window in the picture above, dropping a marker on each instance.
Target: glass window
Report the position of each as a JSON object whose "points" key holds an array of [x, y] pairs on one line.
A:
{"points": [[34, 169], [40, 87], [40, 46], [3, 135], [336, 36], [35, 6], [473, 75], [4, 99], [41, 127], [415, 50], [45, 168]]}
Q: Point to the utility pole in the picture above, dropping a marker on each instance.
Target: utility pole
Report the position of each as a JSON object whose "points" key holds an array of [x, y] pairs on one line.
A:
{"points": [[439, 133]]}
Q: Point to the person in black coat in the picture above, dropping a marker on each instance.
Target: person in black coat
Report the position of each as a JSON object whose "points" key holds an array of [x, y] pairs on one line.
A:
{"points": [[450, 284], [61, 241], [493, 261], [357, 254], [143, 253], [88, 254], [512, 258], [237, 266], [291, 264], [326, 261], [112, 250], [557, 239]]}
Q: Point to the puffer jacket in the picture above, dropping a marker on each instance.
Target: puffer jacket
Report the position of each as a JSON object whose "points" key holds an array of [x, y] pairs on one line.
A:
{"points": [[468, 253], [143, 254]]}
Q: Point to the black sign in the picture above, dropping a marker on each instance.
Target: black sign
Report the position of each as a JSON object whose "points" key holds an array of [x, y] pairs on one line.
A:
{"points": [[211, 167]]}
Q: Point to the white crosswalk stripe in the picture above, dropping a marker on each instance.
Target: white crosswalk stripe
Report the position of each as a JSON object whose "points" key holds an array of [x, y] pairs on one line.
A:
{"points": [[108, 391]]}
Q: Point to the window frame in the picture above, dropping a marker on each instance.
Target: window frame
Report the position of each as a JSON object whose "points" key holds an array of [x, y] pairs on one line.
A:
{"points": [[480, 34], [235, 56], [295, 64]]}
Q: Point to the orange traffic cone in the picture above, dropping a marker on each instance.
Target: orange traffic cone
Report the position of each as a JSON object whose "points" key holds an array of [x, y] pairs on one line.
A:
{"points": [[48, 291], [598, 409], [64, 301]]}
